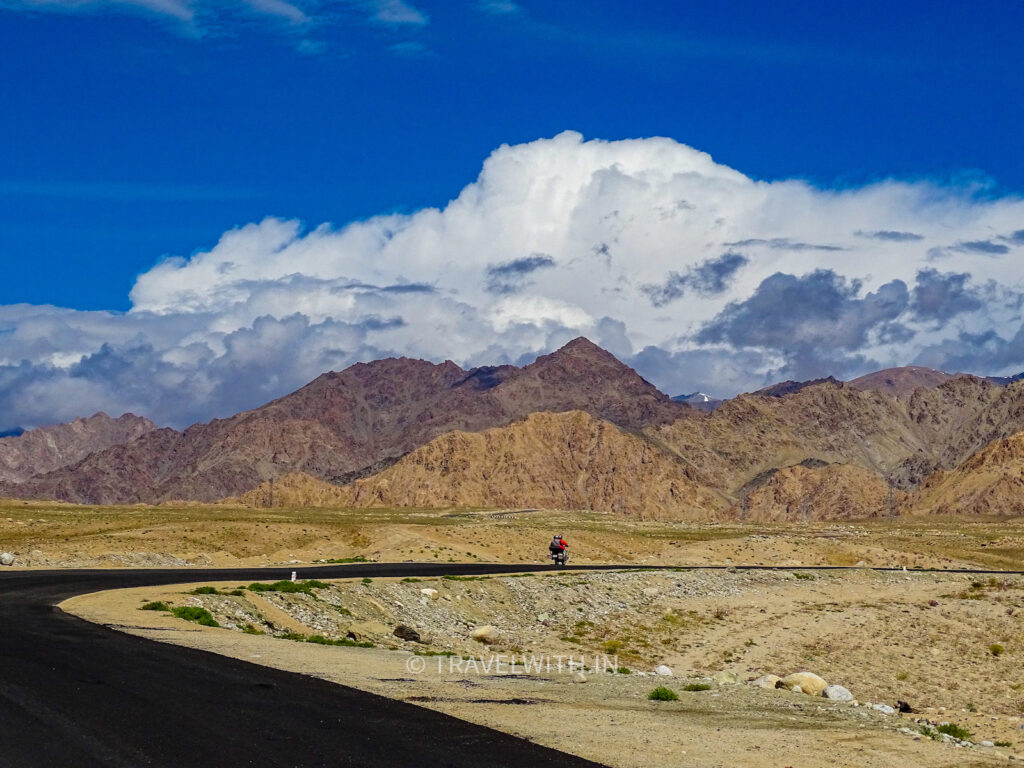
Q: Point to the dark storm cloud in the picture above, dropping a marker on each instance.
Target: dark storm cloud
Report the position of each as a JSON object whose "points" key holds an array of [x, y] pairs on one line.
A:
{"points": [[813, 313], [409, 288], [981, 246], [982, 353], [940, 296], [784, 244], [709, 278], [1017, 238], [510, 277], [258, 363], [714, 370], [890, 235]]}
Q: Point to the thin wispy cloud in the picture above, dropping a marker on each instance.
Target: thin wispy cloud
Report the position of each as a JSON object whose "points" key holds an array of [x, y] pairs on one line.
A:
{"points": [[396, 12], [182, 10], [280, 9], [410, 48], [499, 7], [201, 17]]}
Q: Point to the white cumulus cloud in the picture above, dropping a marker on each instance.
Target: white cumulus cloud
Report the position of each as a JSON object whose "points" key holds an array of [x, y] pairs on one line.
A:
{"points": [[700, 276]]}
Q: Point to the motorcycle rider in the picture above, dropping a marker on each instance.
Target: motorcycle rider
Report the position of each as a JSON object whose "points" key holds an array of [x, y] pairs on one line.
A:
{"points": [[558, 545]]}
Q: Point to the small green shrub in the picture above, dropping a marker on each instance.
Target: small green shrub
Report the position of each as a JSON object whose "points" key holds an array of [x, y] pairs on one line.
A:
{"points": [[286, 586], [343, 641], [661, 693], [237, 592], [205, 591], [411, 580], [343, 560], [996, 649], [612, 646], [697, 687], [249, 629], [367, 580], [1003, 743], [296, 636], [804, 576], [954, 730], [156, 605], [624, 671], [195, 614]]}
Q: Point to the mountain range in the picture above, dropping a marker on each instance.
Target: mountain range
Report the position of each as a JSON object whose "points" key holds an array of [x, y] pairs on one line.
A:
{"points": [[576, 429]]}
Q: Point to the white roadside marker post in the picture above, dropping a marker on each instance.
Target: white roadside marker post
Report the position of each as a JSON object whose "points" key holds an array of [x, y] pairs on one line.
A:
{"points": [[294, 573]]}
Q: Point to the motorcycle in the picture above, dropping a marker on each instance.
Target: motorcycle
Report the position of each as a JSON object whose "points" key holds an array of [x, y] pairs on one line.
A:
{"points": [[560, 557]]}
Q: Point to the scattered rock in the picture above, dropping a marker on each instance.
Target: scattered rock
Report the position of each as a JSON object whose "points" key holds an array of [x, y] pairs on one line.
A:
{"points": [[808, 682], [796, 689], [885, 709], [430, 594], [725, 677], [542, 617], [988, 744], [837, 693], [405, 632], [651, 592], [579, 677], [6, 558], [663, 670], [485, 634], [767, 682]]}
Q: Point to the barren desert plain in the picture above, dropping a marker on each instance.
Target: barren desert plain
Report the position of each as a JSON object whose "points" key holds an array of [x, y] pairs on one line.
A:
{"points": [[947, 645]]}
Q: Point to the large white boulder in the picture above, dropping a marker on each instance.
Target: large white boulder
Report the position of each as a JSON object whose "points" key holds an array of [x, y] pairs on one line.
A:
{"points": [[663, 670], [837, 693], [725, 677], [768, 682], [6, 558], [808, 682], [485, 634]]}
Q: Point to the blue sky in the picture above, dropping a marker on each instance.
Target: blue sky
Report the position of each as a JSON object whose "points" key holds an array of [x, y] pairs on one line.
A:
{"points": [[206, 203], [130, 134]]}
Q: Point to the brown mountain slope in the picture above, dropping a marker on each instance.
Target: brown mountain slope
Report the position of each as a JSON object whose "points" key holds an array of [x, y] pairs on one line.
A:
{"points": [[902, 382], [910, 438], [991, 482], [48, 448], [816, 492], [296, 489], [549, 460], [352, 423]]}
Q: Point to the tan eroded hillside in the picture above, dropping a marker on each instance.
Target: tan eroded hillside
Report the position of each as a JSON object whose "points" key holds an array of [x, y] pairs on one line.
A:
{"points": [[828, 492], [548, 460], [991, 482]]}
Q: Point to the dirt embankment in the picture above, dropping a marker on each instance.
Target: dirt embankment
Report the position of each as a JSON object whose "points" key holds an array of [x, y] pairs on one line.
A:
{"points": [[921, 638]]}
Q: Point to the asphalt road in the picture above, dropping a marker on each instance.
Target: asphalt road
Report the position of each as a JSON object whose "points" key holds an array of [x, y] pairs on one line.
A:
{"points": [[77, 694]]}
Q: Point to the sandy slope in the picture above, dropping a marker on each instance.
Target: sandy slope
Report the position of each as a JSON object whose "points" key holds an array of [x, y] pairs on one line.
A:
{"points": [[876, 634]]}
